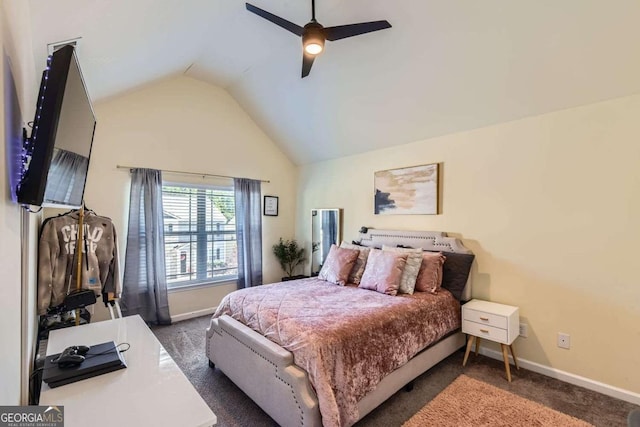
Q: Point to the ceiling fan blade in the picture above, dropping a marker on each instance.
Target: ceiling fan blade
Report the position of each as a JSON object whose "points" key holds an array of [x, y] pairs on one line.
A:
{"points": [[344, 31], [307, 62], [290, 26]]}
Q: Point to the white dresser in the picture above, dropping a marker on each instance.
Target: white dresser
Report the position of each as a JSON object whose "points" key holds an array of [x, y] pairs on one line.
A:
{"points": [[492, 321], [151, 391]]}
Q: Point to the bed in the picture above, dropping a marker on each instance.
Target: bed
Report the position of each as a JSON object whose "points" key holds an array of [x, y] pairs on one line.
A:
{"points": [[280, 380]]}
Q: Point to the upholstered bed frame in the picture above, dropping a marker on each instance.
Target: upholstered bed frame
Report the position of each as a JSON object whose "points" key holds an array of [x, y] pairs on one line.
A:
{"points": [[267, 374]]}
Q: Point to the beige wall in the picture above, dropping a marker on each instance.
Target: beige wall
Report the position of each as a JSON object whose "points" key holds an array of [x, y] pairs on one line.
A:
{"points": [[17, 254], [549, 205], [185, 125], [10, 293]]}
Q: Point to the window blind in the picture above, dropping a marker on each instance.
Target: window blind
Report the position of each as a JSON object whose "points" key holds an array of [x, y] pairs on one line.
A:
{"points": [[199, 234]]}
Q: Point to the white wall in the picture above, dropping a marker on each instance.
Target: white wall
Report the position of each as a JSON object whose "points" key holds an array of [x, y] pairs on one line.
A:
{"points": [[186, 125], [550, 206], [17, 261]]}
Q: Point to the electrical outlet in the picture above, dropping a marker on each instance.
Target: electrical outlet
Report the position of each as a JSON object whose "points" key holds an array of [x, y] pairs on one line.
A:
{"points": [[524, 330], [564, 340]]}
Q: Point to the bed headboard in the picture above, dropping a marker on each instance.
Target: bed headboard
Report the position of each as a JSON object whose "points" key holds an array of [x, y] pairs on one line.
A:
{"points": [[427, 240]]}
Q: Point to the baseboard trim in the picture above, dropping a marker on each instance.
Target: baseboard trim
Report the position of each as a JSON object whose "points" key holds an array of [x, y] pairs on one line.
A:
{"points": [[609, 390], [192, 314]]}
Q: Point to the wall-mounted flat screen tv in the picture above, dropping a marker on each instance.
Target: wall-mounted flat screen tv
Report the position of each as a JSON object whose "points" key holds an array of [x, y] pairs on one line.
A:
{"points": [[60, 145]]}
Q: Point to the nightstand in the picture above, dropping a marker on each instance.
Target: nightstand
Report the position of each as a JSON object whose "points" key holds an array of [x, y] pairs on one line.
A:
{"points": [[494, 322]]}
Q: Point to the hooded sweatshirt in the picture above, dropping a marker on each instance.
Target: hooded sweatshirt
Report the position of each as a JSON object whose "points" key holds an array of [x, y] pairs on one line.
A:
{"points": [[57, 262]]}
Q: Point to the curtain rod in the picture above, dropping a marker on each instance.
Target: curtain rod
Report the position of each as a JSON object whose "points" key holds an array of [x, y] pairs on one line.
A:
{"points": [[189, 173]]}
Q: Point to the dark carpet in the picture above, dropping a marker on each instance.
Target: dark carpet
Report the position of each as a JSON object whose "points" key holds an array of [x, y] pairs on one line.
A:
{"points": [[185, 342]]}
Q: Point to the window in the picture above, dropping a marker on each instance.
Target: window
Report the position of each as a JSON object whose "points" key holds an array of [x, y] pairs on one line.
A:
{"points": [[199, 234]]}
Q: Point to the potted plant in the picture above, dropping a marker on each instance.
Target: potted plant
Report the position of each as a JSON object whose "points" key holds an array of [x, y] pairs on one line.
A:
{"points": [[290, 255]]}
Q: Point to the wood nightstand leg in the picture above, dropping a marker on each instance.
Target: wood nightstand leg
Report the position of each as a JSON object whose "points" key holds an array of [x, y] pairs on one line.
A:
{"points": [[469, 345], [515, 361], [478, 339], [505, 356]]}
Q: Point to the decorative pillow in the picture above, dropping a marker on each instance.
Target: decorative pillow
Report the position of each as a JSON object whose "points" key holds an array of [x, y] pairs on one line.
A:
{"points": [[430, 275], [455, 272], [338, 264], [358, 268], [411, 268], [383, 271]]}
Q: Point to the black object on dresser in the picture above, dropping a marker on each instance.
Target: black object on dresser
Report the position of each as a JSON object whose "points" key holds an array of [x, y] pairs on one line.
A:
{"points": [[98, 359]]}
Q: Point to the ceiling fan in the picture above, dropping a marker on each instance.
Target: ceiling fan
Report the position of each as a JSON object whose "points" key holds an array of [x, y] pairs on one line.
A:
{"points": [[314, 35]]}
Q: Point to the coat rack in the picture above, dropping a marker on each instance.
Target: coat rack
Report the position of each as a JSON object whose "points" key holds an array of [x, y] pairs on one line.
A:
{"points": [[79, 246], [110, 299]]}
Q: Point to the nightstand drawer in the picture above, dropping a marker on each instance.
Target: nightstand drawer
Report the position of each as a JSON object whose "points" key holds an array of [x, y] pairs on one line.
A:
{"points": [[485, 318], [484, 331]]}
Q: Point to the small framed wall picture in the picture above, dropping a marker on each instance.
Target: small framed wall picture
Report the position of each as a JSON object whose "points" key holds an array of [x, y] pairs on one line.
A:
{"points": [[271, 205]]}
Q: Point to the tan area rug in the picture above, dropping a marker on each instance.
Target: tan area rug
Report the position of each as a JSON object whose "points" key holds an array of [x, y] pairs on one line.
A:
{"points": [[473, 403]]}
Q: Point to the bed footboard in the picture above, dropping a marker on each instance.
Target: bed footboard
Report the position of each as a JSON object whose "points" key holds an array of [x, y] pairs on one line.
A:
{"points": [[264, 371]]}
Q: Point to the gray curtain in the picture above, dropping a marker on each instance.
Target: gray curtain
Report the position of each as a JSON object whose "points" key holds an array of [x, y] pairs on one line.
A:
{"points": [[144, 291], [329, 232], [67, 174], [248, 231]]}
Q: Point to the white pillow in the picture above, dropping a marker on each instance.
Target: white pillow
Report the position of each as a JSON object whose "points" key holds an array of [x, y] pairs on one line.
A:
{"points": [[411, 268]]}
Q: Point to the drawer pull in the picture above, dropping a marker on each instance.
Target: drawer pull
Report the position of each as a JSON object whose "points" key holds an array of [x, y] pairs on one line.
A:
{"points": [[486, 331], [484, 318]]}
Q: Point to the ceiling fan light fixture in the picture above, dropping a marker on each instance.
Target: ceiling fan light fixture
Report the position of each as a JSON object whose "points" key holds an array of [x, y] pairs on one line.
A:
{"points": [[313, 48], [313, 38]]}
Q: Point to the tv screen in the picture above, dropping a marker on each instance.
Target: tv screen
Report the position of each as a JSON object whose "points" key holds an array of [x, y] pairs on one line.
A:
{"points": [[61, 138]]}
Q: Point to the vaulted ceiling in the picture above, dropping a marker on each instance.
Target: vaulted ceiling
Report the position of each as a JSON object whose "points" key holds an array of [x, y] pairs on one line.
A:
{"points": [[444, 67]]}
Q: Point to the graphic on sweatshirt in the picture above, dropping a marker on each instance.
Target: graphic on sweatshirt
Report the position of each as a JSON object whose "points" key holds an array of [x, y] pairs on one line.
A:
{"points": [[92, 236]]}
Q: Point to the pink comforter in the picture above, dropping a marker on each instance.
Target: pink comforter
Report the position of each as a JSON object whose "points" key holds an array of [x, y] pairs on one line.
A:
{"points": [[347, 339]]}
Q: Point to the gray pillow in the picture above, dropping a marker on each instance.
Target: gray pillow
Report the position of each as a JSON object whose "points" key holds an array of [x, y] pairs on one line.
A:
{"points": [[455, 272]]}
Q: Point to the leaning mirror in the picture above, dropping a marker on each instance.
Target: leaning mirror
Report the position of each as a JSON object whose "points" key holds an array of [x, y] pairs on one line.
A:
{"points": [[326, 229]]}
